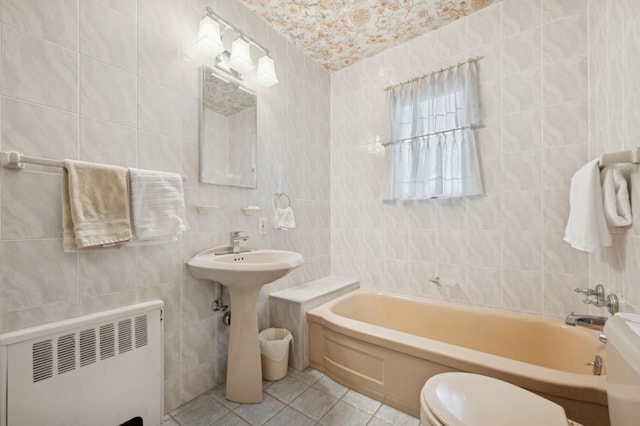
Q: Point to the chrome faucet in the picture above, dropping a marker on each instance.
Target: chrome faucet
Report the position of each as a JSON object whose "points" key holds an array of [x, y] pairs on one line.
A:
{"points": [[601, 300], [589, 321], [235, 238]]}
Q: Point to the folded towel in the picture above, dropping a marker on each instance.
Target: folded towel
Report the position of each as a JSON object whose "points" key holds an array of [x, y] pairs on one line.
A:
{"points": [[157, 206], [95, 206], [617, 208], [587, 228], [285, 219]]}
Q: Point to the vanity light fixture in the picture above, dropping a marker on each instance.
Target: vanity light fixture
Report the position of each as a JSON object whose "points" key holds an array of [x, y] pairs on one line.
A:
{"points": [[236, 63], [209, 38], [266, 74]]}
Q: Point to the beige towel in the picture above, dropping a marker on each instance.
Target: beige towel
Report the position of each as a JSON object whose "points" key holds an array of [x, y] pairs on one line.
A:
{"points": [[95, 206]]}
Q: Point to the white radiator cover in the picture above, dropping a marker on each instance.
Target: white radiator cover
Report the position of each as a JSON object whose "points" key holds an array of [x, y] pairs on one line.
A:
{"points": [[98, 369]]}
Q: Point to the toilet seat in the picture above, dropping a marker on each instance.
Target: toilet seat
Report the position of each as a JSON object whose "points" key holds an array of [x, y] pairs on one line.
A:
{"points": [[462, 399]]}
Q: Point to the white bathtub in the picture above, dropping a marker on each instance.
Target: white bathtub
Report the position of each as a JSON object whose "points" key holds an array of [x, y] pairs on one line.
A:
{"points": [[386, 346]]}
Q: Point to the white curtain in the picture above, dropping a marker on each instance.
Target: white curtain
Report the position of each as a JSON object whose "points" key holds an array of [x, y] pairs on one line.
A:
{"points": [[433, 145]]}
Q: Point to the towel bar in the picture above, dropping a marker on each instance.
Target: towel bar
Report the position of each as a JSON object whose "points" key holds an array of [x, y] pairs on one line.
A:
{"points": [[15, 160], [631, 156]]}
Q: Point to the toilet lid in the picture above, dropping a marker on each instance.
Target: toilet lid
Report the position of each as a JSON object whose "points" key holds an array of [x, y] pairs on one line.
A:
{"points": [[459, 399]]}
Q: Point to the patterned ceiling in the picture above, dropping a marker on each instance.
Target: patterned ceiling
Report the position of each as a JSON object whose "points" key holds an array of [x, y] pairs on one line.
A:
{"points": [[337, 33]]}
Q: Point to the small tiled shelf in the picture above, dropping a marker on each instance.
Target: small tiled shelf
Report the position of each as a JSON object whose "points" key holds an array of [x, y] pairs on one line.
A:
{"points": [[288, 309]]}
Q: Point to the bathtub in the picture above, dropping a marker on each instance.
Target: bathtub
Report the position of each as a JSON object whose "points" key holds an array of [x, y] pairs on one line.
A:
{"points": [[386, 346]]}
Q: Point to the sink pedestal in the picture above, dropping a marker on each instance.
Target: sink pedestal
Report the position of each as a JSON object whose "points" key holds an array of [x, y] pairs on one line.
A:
{"points": [[244, 370]]}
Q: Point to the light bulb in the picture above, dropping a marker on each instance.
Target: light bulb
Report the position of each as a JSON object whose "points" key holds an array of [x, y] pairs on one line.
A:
{"points": [[240, 56], [209, 40], [266, 74]]}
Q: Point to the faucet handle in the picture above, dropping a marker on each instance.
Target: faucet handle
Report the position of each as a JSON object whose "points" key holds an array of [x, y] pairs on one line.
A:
{"points": [[238, 235], [598, 292]]}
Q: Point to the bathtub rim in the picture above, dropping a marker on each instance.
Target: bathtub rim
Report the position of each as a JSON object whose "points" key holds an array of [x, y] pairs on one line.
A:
{"points": [[544, 380]]}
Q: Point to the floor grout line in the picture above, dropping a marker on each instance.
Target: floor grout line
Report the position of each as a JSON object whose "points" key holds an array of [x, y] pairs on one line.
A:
{"points": [[371, 416]]}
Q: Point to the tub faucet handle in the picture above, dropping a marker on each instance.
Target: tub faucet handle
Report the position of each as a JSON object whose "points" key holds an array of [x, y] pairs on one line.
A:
{"points": [[598, 291], [610, 302]]}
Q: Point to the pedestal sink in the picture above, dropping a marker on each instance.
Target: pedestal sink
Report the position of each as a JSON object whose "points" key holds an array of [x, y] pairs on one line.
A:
{"points": [[244, 274]]}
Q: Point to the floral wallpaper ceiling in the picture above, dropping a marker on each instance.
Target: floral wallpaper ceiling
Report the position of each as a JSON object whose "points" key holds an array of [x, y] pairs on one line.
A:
{"points": [[338, 33]]}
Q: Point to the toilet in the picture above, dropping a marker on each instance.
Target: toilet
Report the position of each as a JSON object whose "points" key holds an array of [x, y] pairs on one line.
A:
{"points": [[462, 399]]}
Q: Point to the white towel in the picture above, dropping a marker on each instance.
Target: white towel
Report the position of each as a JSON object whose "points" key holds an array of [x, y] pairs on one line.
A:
{"points": [[285, 219], [587, 228], [617, 208], [95, 206], [157, 206]]}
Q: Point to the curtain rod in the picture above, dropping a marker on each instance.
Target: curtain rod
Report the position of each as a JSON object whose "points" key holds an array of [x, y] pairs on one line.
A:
{"points": [[433, 73], [431, 134]]}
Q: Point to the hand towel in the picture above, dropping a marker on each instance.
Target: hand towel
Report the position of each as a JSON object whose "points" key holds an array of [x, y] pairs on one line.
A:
{"points": [[587, 228], [617, 208], [285, 219], [157, 206], [95, 206]]}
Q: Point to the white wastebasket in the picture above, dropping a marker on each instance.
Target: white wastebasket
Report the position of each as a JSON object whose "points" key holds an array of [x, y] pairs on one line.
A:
{"points": [[274, 352]]}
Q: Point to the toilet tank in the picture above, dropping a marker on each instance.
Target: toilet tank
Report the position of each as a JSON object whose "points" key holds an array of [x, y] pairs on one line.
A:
{"points": [[623, 369]]}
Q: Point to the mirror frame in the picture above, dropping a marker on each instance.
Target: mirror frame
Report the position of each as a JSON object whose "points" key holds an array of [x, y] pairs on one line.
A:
{"points": [[249, 174]]}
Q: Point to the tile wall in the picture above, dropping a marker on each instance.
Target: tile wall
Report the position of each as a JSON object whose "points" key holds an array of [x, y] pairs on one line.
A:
{"points": [[116, 81], [504, 249], [614, 125]]}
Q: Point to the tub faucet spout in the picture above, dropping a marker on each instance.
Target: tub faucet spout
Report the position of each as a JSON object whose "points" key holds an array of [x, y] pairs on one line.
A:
{"points": [[589, 321]]}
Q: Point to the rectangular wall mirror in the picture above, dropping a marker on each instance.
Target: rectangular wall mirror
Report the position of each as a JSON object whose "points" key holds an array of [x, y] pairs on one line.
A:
{"points": [[228, 132]]}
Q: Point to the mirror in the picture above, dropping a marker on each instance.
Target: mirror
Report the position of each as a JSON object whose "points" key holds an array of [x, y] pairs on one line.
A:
{"points": [[228, 132]]}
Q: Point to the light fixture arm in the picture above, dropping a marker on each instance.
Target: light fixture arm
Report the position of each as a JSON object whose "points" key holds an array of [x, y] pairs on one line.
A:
{"points": [[227, 24]]}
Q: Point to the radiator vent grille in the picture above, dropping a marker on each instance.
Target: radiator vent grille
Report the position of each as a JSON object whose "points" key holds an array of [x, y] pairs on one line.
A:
{"points": [[66, 353], [107, 341], [124, 336], [42, 360], [141, 331], [86, 345]]}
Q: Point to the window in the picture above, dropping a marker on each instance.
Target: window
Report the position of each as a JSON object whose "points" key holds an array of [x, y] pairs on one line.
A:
{"points": [[432, 153]]}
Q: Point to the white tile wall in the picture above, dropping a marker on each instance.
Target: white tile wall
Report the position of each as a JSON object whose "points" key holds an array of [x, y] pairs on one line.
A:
{"points": [[614, 31], [503, 249], [116, 81]]}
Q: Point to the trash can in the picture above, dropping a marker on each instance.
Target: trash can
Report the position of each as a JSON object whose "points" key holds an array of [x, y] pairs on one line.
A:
{"points": [[274, 352]]}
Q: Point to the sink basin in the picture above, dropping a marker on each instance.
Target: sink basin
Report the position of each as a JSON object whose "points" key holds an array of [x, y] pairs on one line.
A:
{"points": [[244, 274], [244, 270]]}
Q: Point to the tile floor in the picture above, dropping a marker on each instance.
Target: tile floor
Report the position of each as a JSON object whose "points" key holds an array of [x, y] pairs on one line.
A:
{"points": [[300, 399]]}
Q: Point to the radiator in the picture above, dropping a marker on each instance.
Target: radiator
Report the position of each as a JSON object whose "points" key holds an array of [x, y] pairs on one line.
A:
{"points": [[98, 369]]}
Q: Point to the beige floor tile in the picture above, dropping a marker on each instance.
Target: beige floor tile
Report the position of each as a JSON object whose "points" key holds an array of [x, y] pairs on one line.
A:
{"points": [[333, 388], [231, 419], [313, 398], [362, 402], [287, 389], [396, 417], [343, 414], [220, 394], [289, 417], [202, 411], [309, 375], [258, 414], [377, 422], [313, 403]]}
